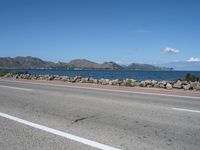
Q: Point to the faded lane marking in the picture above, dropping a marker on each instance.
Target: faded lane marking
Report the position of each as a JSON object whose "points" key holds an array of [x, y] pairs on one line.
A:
{"points": [[187, 110], [16, 88], [60, 133]]}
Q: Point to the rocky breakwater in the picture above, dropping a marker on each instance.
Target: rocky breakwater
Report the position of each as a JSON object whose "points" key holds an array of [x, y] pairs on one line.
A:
{"points": [[179, 84]]}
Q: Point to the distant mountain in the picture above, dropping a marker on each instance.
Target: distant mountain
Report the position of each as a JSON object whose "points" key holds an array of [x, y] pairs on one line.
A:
{"points": [[83, 64], [146, 67], [183, 65], [33, 62], [86, 64], [111, 64], [24, 62]]}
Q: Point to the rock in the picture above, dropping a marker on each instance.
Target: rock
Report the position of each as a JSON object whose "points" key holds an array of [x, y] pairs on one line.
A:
{"points": [[84, 80], [142, 84], [147, 83], [114, 82], [195, 85], [135, 83], [161, 84], [64, 78], [16, 76], [186, 87], [169, 86], [121, 83], [105, 82], [77, 79], [96, 81], [154, 82], [177, 84], [8, 75], [128, 82], [110, 82], [92, 80], [34, 78], [50, 78]]}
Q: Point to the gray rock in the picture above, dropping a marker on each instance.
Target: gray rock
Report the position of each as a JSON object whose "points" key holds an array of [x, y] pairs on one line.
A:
{"points": [[128, 82], [177, 84], [105, 82], [77, 79], [64, 78], [161, 84], [169, 86], [195, 85], [186, 87], [96, 81], [50, 78], [148, 83], [154, 82], [84, 80]]}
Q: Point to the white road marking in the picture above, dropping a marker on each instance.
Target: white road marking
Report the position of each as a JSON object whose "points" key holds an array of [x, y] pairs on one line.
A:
{"points": [[108, 90], [60, 133], [16, 88], [187, 110]]}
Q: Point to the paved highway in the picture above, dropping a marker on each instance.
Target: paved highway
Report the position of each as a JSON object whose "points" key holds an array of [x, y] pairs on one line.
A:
{"points": [[44, 116]]}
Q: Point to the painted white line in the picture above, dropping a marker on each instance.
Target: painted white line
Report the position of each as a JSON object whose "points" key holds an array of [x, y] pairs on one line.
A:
{"points": [[16, 88], [108, 90], [187, 110], [60, 133]]}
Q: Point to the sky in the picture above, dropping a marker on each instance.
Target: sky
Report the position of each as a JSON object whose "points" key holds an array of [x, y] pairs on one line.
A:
{"points": [[125, 31]]}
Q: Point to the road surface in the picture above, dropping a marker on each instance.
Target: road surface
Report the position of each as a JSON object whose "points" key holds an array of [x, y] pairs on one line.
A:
{"points": [[52, 117]]}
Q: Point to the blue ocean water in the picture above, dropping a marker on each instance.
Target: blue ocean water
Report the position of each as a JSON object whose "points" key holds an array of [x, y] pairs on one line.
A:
{"points": [[113, 74]]}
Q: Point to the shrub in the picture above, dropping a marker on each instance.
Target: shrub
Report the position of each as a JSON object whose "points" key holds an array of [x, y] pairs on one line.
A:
{"points": [[128, 83], [3, 73], [190, 77]]}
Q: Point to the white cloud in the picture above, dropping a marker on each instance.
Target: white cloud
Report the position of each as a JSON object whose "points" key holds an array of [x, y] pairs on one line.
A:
{"points": [[171, 50], [193, 59]]}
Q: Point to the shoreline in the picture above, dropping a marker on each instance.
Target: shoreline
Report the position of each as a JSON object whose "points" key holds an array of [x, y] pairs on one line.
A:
{"points": [[181, 93], [130, 83]]}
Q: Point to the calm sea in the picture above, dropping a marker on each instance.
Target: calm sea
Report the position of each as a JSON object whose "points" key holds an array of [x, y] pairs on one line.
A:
{"points": [[113, 74]]}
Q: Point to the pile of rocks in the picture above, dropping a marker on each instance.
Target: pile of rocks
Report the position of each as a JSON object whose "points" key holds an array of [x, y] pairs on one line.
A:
{"points": [[186, 85]]}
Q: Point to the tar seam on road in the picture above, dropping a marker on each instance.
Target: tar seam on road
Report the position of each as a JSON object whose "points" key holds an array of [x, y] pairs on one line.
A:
{"points": [[60, 133], [187, 110], [108, 90], [16, 88]]}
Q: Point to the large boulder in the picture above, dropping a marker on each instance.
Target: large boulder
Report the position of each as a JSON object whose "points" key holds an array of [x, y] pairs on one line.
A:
{"points": [[169, 86], [128, 82], [8, 75], [161, 84], [104, 81], [177, 84], [84, 80], [154, 82], [195, 85], [114, 82], [50, 78], [186, 86], [63, 78], [75, 79], [148, 83]]}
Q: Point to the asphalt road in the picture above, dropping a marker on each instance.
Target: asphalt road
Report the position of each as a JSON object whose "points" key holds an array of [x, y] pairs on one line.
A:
{"points": [[47, 117]]}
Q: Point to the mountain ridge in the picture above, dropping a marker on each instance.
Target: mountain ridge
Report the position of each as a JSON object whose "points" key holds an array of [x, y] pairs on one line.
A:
{"points": [[30, 62], [183, 65]]}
